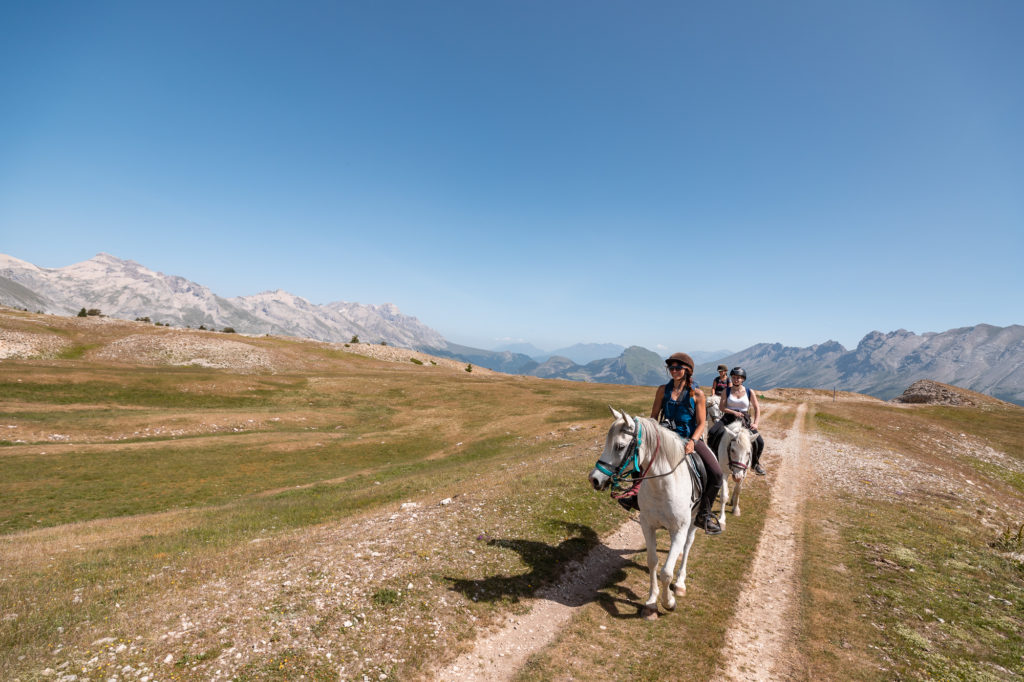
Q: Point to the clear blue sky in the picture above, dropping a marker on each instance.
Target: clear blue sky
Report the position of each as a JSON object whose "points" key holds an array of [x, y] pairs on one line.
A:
{"points": [[677, 175]]}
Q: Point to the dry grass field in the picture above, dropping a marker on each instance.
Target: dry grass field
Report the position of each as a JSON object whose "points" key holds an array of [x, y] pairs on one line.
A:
{"points": [[186, 505]]}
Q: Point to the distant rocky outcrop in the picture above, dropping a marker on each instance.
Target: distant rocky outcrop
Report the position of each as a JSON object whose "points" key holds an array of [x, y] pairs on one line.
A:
{"points": [[930, 392]]}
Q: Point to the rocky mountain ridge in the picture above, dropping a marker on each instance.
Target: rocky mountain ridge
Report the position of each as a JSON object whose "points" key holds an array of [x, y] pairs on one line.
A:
{"points": [[982, 358], [128, 290]]}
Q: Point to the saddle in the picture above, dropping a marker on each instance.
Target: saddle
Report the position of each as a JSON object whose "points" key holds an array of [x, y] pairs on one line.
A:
{"points": [[699, 474]]}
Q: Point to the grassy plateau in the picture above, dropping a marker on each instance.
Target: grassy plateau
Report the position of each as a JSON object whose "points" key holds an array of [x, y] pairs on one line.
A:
{"points": [[325, 515]]}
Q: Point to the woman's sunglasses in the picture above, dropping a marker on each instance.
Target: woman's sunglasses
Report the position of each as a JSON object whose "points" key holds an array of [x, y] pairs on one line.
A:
{"points": [[673, 368]]}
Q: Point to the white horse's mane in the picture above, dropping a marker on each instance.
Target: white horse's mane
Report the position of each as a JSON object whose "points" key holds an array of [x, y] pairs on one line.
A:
{"points": [[670, 441]]}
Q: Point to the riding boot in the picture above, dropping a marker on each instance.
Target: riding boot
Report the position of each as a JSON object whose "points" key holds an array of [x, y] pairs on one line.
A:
{"points": [[705, 519], [629, 503], [755, 463]]}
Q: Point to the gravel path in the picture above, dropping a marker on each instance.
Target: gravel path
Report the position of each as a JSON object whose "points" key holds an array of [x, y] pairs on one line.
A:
{"points": [[761, 638]]}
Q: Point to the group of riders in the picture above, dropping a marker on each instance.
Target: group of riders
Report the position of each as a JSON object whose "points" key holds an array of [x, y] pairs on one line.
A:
{"points": [[680, 406]]}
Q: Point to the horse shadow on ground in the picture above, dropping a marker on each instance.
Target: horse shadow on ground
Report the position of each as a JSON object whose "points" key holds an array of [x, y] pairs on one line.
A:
{"points": [[548, 564]]}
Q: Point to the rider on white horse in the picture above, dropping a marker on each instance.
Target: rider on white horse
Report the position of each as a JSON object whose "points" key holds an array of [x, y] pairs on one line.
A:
{"points": [[739, 402], [680, 406], [721, 383]]}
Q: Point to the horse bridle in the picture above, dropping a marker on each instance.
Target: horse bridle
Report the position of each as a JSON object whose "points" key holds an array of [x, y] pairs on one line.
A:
{"points": [[736, 466], [630, 462]]}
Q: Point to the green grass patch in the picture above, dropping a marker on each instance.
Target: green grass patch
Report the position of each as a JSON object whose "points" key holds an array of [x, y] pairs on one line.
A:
{"points": [[77, 351], [101, 392]]}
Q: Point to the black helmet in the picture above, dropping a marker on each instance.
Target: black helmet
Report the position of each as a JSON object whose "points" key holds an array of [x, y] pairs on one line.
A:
{"points": [[738, 372]]}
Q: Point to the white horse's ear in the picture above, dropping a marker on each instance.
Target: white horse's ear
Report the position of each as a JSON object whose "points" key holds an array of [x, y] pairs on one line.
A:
{"points": [[615, 413]]}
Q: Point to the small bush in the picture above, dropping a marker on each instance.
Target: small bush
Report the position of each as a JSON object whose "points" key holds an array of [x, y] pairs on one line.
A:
{"points": [[137, 319], [383, 343], [202, 327], [93, 312], [355, 339], [228, 330], [469, 367], [1010, 541], [386, 597], [415, 361], [82, 313]]}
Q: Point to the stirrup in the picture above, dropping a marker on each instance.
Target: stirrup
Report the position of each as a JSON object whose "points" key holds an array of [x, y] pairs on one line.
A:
{"points": [[708, 523]]}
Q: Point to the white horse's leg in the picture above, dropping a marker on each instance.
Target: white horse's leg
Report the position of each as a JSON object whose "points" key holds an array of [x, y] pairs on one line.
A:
{"points": [[736, 498], [668, 571], [650, 611], [724, 493], [680, 585]]}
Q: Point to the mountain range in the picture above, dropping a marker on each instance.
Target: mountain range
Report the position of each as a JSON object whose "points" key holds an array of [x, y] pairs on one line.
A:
{"points": [[982, 358]]}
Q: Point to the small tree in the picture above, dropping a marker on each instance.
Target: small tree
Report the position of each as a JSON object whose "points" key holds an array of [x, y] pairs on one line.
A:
{"points": [[94, 312], [383, 343], [228, 330], [469, 367], [82, 313], [355, 339]]}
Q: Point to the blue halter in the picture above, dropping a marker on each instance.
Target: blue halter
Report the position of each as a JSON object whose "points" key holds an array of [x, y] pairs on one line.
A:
{"points": [[630, 462]]}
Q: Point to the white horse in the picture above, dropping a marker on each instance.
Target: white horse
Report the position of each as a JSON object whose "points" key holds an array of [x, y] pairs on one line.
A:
{"points": [[713, 410], [734, 454], [665, 496]]}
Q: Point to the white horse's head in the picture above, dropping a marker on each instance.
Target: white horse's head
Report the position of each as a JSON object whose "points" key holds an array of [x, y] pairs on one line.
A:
{"points": [[714, 412], [616, 447], [740, 450]]}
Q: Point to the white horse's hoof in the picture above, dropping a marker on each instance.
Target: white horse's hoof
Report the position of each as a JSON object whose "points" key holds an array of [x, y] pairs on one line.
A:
{"points": [[649, 613], [680, 590], [735, 511]]}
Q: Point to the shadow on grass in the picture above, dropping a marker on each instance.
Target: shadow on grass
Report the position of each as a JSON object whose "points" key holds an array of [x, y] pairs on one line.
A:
{"points": [[547, 564]]}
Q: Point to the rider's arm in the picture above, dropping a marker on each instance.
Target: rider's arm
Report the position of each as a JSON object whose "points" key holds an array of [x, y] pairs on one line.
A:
{"points": [[755, 409], [658, 398]]}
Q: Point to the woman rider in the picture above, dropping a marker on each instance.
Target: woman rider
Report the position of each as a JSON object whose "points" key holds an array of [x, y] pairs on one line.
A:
{"points": [[721, 382], [737, 403], [680, 406]]}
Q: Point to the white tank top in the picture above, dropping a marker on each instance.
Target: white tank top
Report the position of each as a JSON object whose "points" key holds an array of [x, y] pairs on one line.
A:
{"points": [[741, 404]]}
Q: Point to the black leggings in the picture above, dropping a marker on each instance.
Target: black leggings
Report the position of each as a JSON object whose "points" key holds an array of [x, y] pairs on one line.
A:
{"points": [[714, 483]]}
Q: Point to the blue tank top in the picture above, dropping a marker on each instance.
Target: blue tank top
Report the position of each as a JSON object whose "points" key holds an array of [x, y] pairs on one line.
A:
{"points": [[681, 414]]}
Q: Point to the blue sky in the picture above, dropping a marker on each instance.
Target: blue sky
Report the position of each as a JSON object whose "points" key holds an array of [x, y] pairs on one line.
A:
{"points": [[676, 175]]}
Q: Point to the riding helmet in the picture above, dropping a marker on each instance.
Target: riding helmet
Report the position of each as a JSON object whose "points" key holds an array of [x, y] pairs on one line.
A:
{"points": [[681, 358], [738, 372]]}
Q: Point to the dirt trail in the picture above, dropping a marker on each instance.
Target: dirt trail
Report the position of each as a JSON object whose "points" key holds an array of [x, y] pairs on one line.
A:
{"points": [[499, 655], [759, 645], [761, 631]]}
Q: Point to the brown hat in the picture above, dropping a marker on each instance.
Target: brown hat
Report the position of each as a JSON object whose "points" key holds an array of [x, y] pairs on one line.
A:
{"points": [[681, 358], [723, 368]]}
